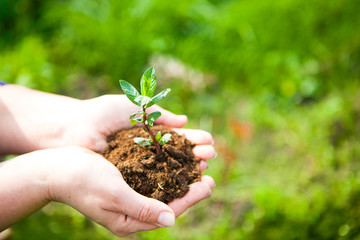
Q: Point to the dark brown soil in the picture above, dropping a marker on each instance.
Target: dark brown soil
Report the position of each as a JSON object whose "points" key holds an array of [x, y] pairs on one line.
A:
{"points": [[164, 176]]}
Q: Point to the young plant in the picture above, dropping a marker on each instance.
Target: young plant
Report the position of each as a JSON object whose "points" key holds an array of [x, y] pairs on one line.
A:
{"points": [[145, 100]]}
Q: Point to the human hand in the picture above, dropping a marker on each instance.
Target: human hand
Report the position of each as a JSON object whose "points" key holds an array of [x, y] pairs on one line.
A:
{"points": [[33, 120], [88, 183]]}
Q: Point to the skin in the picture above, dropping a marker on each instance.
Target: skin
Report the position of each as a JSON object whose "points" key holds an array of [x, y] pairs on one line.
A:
{"points": [[57, 136]]}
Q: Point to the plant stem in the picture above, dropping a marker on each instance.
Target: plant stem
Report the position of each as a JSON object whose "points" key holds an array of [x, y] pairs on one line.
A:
{"points": [[148, 129]]}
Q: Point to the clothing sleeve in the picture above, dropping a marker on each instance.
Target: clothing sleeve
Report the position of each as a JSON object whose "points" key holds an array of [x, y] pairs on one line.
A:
{"points": [[2, 83]]}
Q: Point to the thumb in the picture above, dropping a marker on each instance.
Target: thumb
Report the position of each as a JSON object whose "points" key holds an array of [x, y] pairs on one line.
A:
{"points": [[144, 209]]}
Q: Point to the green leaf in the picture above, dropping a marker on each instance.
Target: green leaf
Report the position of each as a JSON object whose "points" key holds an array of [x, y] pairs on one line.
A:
{"points": [[149, 122], [145, 101], [153, 84], [158, 97], [148, 82], [134, 114], [138, 99], [142, 141], [158, 136], [136, 120], [165, 138], [153, 116], [129, 90], [142, 101]]}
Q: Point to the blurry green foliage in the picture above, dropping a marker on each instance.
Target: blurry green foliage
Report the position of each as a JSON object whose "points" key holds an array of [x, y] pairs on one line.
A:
{"points": [[277, 82]]}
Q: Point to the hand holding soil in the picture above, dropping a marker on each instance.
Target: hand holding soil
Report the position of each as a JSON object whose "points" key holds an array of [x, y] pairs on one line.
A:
{"points": [[84, 180], [33, 120]]}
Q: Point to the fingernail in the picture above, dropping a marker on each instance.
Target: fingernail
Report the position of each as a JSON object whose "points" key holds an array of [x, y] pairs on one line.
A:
{"points": [[166, 219]]}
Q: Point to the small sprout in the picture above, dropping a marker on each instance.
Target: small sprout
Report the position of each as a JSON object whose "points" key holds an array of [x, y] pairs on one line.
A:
{"points": [[145, 100], [158, 136]]}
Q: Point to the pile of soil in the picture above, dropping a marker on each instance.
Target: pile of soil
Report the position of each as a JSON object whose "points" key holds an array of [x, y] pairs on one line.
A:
{"points": [[162, 176]]}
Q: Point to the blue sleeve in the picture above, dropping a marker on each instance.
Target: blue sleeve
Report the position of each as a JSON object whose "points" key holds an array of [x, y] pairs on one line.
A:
{"points": [[2, 83]]}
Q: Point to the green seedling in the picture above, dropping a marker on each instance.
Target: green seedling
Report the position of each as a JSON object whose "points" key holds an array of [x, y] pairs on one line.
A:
{"points": [[145, 100]]}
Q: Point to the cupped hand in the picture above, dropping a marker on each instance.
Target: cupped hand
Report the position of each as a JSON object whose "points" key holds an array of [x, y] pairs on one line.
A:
{"points": [[83, 180], [121, 209], [33, 120], [86, 181]]}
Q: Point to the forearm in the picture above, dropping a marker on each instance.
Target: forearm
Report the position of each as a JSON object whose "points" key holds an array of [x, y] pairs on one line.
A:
{"points": [[23, 189], [29, 119]]}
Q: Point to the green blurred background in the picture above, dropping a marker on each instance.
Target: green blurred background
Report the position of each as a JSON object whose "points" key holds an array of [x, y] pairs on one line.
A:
{"points": [[276, 82]]}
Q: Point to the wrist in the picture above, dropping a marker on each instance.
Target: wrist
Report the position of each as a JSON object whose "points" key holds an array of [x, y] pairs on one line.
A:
{"points": [[25, 190], [36, 173], [62, 172], [48, 171], [32, 120]]}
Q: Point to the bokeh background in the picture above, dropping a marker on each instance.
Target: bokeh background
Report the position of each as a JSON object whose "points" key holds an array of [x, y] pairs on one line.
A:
{"points": [[275, 82]]}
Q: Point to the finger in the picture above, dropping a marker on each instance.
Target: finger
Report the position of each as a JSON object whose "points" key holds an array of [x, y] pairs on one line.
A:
{"points": [[203, 166], [196, 136], [204, 152], [197, 192], [98, 145], [168, 118], [141, 208], [209, 180]]}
